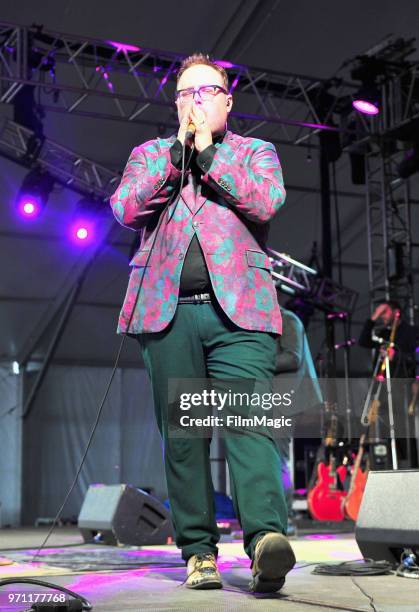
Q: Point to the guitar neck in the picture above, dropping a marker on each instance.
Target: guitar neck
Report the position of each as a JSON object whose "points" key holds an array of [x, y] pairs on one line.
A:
{"points": [[358, 460], [412, 406]]}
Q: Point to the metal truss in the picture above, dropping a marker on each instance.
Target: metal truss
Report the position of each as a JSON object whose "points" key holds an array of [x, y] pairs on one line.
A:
{"points": [[388, 208], [68, 168], [297, 279], [112, 80], [291, 276], [388, 200]]}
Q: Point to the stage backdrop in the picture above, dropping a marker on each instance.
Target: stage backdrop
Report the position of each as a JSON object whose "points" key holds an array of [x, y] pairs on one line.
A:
{"points": [[10, 449], [126, 446]]}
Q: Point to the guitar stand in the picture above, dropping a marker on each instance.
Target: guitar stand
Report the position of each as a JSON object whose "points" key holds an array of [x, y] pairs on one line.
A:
{"points": [[364, 416], [391, 414]]}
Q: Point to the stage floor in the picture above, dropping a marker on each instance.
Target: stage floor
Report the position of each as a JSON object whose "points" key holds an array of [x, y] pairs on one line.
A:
{"points": [[151, 578]]}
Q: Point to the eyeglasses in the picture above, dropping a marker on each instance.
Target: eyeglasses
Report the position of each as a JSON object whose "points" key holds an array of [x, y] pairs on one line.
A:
{"points": [[205, 92]]}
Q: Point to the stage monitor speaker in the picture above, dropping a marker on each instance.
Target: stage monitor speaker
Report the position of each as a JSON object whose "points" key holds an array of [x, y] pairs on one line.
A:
{"points": [[388, 520], [123, 514]]}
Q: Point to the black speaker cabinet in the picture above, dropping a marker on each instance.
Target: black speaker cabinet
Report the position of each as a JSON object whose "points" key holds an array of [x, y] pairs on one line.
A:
{"points": [[388, 519], [123, 514]]}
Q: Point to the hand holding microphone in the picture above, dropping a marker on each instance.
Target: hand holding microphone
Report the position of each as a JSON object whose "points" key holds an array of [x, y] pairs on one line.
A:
{"points": [[190, 132], [194, 127]]}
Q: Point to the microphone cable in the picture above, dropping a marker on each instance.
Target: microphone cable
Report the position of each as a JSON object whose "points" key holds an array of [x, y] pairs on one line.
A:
{"points": [[173, 198]]}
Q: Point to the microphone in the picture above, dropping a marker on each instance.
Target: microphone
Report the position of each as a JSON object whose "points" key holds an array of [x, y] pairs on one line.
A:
{"points": [[190, 132]]}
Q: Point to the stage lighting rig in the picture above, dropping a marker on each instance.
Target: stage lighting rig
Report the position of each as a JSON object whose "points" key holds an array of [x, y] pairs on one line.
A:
{"points": [[34, 193], [86, 217], [376, 66], [368, 98]]}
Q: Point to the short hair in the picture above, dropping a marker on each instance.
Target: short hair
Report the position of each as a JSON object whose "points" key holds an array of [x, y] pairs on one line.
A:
{"points": [[199, 59]]}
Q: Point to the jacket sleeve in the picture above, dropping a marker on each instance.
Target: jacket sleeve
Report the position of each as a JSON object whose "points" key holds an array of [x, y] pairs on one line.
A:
{"points": [[290, 346], [365, 338], [252, 184], [147, 183]]}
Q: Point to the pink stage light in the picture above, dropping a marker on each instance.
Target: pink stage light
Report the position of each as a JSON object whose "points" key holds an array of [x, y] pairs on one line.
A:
{"points": [[363, 106], [224, 64], [122, 46], [234, 84]]}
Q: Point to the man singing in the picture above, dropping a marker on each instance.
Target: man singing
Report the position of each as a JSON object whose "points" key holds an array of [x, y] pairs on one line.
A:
{"points": [[207, 308]]}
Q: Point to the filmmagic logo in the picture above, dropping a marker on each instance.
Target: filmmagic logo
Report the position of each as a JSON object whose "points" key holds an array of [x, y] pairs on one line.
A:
{"points": [[218, 400], [235, 421]]}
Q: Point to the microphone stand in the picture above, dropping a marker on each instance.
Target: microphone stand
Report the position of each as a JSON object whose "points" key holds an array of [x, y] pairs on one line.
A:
{"points": [[346, 345], [391, 414]]}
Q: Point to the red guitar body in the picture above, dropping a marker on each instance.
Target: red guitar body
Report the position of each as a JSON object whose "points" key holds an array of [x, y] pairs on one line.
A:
{"points": [[353, 500], [325, 501]]}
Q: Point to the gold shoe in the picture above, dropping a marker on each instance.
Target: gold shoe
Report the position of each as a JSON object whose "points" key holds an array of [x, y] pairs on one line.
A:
{"points": [[273, 558], [203, 572]]}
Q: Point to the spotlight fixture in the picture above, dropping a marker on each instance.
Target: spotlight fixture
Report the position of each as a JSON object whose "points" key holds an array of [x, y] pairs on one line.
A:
{"points": [[366, 101], [84, 225], [34, 193], [368, 71]]}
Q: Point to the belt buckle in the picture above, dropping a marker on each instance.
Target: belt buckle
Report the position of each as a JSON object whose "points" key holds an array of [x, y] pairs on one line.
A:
{"points": [[197, 298]]}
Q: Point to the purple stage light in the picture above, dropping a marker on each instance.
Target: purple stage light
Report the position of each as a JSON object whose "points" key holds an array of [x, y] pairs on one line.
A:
{"points": [[363, 106], [82, 232], [28, 207], [86, 220], [34, 193]]}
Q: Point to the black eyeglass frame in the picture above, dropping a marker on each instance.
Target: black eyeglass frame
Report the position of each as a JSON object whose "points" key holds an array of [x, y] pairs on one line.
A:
{"points": [[194, 90]]}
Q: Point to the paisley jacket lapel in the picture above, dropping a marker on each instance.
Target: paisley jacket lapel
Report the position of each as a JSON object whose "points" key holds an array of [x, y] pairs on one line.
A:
{"points": [[201, 199]]}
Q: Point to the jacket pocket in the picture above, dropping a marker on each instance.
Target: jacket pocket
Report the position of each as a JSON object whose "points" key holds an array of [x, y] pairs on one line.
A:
{"points": [[258, 259], [140, 259]]}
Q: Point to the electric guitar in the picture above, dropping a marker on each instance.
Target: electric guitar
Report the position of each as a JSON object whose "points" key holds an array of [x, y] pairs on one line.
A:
{"points": [[352, 503], [324, 500]]}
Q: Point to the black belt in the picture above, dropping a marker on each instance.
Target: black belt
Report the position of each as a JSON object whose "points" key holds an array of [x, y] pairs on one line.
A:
{"points": [[198, 298]]}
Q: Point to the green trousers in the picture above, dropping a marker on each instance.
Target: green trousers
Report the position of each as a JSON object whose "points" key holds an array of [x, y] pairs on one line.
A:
{"points": [[201, 342]]}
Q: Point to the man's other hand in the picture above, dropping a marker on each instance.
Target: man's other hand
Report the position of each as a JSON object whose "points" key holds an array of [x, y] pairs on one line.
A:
{"points": [[203, 135]]}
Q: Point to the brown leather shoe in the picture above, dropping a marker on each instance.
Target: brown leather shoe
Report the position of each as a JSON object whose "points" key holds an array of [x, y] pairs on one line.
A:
{"points": [[203, 572], [272, 560]]}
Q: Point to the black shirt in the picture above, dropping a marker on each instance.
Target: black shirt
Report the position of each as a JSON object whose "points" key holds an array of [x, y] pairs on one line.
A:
{"points": [[195, 277]]}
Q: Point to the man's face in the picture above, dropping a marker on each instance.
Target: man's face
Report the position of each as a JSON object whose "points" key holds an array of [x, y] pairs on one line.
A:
{"points": [[217, 108]]}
